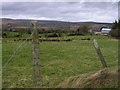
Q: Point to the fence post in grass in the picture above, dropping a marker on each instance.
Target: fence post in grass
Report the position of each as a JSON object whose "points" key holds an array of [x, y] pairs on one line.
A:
{"points": [[36, 58], [97, 48]]}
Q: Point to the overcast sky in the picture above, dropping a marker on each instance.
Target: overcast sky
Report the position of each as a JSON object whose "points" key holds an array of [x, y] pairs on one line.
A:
{"points": [[65, 11]]}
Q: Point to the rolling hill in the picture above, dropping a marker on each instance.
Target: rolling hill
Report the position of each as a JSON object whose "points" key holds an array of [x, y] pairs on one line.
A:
{"points": [[52, 24]]}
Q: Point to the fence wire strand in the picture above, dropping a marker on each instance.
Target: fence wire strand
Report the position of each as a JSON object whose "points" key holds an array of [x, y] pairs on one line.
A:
{"points": [[8, 61]]}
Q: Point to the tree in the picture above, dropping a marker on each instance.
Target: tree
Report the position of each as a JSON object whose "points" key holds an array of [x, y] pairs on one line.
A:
{"points": [[82, 30], [115, 25], [115, 32]]}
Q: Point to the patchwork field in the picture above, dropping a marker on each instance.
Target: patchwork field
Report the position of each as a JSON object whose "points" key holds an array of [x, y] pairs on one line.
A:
{"points": [[59, 60]]}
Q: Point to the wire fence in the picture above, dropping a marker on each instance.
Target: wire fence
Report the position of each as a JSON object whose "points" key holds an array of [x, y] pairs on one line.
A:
{"points": [[16, 49], [11, 57]]}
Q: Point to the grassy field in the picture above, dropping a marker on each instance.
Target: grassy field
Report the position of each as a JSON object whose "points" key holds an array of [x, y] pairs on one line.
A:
{"points": [[59, 60]]}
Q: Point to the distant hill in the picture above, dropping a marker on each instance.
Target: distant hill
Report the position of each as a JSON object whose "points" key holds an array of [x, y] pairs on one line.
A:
{"points": [[52, 24]]}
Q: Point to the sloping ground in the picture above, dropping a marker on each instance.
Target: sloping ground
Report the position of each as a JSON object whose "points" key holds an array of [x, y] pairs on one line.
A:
{"points": [[101, 79]]}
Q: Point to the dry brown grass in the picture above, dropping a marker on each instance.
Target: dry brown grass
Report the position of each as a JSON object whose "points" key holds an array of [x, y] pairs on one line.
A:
{"points": [[100, 79]]}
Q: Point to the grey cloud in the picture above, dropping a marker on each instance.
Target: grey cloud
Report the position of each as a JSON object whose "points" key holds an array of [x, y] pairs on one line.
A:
{"points": [[100, 5], [69, 11]]}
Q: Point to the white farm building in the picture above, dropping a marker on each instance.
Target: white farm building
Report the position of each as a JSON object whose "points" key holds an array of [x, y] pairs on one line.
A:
{"points": [[105, 31]]}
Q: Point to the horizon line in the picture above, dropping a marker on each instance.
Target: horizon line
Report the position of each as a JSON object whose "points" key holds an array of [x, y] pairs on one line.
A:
{"points": [[56, 20]]}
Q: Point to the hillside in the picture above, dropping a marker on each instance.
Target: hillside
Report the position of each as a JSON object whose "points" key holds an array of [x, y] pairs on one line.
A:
{"points": [[52, 24]]}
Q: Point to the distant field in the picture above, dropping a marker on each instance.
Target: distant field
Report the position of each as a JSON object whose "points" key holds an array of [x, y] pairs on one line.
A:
{"points": [[60, 60]]}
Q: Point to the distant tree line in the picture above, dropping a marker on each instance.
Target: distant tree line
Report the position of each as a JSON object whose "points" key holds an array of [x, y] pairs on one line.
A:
{"points": [[50, 32]]}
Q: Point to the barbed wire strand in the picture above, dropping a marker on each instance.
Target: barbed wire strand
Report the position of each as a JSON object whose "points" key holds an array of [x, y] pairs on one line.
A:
{"points": [[8, 61]]}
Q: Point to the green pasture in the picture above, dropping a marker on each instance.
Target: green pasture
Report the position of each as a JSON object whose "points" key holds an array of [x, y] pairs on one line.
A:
{"points": [[59, 60]]}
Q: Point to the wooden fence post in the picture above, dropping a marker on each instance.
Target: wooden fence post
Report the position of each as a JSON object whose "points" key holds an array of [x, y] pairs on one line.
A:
{"points": [[97, 48], [36, 58]]}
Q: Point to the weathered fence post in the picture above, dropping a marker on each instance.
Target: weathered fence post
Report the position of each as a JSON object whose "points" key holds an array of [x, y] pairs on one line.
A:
{"points": [[97, 48], [36, 58]]}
